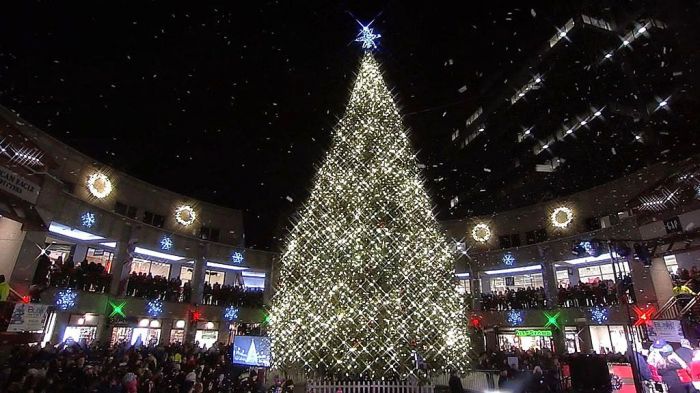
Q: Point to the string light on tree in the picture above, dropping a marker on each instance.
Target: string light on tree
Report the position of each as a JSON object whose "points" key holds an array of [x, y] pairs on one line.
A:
{"points": [[366, 271], [185, 215], [99, 185], [561, 217], [481, 233]]}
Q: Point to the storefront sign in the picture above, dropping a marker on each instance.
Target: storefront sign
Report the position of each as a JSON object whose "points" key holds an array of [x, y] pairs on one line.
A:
{"points": [[533, 333], [28, 317], [669, 330], [673, 225], [18, 186]]}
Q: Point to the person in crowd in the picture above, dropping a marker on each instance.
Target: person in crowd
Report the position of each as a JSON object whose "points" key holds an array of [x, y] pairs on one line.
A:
{"points": [[685, 351], [455, 383], [41, 274], [670, 367]]}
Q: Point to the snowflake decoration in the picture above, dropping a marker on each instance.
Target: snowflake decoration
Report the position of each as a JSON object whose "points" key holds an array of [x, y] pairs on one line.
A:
{"points": [[185, 215], [231, 313], [599, 315], [367, 36], [508, 259], [88, 219], [66, 299], [237, 257], [154, 307], [514, 317], [166, 243]]}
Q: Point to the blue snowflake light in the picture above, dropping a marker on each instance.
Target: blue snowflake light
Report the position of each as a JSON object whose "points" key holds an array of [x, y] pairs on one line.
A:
{"points": [[154, 307], [87, 219], [231, 313], [237, 257], [66, 299], [514, 317], [166, 243], [367, 36], [599, 315], [508, 259]]}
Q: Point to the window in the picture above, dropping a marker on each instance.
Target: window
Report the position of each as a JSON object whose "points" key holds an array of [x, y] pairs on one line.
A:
{"points": [[153, 219], [536, 236], [563, 278], [154, 268], [464, 286], [206, 233], [253, 280], [124, 209], [671, 263], [210, 276], [499, 284], [100, 257], [508, 241], [590, 274]]}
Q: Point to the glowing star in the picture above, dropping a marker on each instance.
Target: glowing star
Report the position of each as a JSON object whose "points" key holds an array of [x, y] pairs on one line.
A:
{"points": [[185, 215], [231, 313], [367, 36], [66, 299], [196, 315], [117, 309], [552, 319], [99, 185], [508, 259], [561, 217], [514, 317], [154, 307], [237, 257], [599, 315], [481, 233], [643, 316], [166, 243], [88, 219]]}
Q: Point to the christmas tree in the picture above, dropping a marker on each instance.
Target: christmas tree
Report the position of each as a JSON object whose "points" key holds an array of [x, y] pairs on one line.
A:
{"points": [[367, 279]]}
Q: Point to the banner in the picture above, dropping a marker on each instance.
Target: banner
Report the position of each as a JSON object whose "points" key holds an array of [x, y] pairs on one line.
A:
{"points": [[28, 317], [18, 185], [669, 330]]}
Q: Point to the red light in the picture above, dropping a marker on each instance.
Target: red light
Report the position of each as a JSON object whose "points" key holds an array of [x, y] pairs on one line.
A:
{"points": [[196, 315], [26, 299], [475, 321], [643, 316]]}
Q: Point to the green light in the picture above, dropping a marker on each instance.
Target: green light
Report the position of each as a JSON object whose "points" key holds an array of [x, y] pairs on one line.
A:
{"points": [[117, 309], [552, 320], [533, 333]]}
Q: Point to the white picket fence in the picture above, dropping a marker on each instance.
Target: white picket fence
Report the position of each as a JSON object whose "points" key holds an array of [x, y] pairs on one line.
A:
{"points": [[367, 387]]}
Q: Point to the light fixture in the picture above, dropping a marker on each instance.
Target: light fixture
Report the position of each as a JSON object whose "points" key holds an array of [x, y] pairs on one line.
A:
{"points": [[66, 299], [462, 275], [223, 266], [99, 185], [545, 147], [237, 257], [663, 103], [157, 254], [608, 55], [514, 317], [562, 34], [538, 80], [154, 324], [583, 122], [209, 325], [508, 259], [72, 233], [625, 42], [81, 321], [642, 30], [144, 322], [513, 270], [561, 217], [569, 131], [597, 113], [231, 313], [180, 324], [481, 232], [154, 307], [185, 215]]}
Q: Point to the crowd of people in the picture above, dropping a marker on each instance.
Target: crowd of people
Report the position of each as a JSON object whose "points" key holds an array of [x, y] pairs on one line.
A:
{"points": [[80, 368], [218, 294], [158, 287], [598, 293], [534, 370], [85, 276]]}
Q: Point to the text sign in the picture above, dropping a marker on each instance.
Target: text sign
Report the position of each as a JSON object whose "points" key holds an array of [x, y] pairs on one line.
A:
{"points": [[669, 330], [28, 317], [673, 225], [533, 333], [18, 185]]}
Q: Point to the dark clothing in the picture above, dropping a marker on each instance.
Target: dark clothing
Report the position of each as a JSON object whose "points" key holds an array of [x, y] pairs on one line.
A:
{"points": [[455, 384], [686, 354]]}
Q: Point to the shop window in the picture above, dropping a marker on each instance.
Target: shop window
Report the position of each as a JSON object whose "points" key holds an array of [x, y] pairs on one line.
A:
{"points": [[154, 268], [500, 284], [590, 274], [536, 236], [253, 280], [464, 286], [608, 339], [153, 219], [563, 278], [206, 233], [100, 257], [213, 277]]}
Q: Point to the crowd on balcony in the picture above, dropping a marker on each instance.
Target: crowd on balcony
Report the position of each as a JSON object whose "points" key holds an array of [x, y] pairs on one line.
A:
{"points": [[238, 295], [79, 368], [85, 276], [599, 292]]}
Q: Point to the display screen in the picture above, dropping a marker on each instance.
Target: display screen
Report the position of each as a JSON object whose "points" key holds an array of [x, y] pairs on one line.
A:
{"points": [[251, 351]]}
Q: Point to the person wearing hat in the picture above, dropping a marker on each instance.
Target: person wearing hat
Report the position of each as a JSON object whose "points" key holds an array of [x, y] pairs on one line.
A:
{"points": [[685, 351], [672, 369]]}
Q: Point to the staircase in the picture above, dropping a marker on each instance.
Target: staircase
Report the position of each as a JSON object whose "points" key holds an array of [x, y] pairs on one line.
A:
{"points": [[673, 309]]}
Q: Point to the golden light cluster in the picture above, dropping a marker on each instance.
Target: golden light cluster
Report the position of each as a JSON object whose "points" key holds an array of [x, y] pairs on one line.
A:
{"points": [[99, 185], [561, 217], [481, 232], [185, 215], [367, 276]]}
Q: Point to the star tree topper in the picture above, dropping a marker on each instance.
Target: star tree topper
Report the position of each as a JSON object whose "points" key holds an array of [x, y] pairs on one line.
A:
{"points": [[367, 36]]}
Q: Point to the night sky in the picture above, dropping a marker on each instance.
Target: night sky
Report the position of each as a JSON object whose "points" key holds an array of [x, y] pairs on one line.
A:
{"points": [[234, 103]]}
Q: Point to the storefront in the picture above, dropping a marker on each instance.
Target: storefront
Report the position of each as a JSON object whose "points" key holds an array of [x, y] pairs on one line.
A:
{"points": [[207, 334], [81, 327], [520, 281], [210, 276], [608, 339], [154, 268], [177, 333], [147, 332], [525, 338]]}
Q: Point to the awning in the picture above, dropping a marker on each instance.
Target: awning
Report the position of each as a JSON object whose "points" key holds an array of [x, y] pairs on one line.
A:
{"points": [[21, 211]]}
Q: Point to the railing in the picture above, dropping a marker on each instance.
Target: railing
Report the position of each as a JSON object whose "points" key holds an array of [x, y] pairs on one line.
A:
{"points": [[367, 387], [476, 380], [677, 306]]}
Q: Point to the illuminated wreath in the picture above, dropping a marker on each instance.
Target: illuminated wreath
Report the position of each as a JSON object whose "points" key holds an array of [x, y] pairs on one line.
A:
{"points": [[562, 216], [185, 215], [99, 185], [481, 232]]}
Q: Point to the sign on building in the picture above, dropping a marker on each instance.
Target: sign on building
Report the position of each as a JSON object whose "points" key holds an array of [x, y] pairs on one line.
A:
{"points": [[669, 330], [28, 317], [18, 186]]}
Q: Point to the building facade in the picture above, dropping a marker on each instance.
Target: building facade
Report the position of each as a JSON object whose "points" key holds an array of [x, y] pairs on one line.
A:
{"points": [[191, 276]]}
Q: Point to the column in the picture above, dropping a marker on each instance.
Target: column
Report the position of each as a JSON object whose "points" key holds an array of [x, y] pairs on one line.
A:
{"points": [[476, 294], [197, 288], [104, 331], [25, 264], [485, 285], [62, 320], [121, 263], [574, 277], [551, 289], [166, 325], [80, 253], [651, 284]]}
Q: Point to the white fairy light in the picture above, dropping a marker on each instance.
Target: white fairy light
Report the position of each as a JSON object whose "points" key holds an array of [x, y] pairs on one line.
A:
{"points": [[481, 232], [367, 36], [561, 217], [185, 215], [99, 185]]}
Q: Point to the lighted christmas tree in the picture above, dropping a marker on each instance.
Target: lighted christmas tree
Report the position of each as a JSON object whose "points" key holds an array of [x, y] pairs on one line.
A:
{"points": [[367, 278]]}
